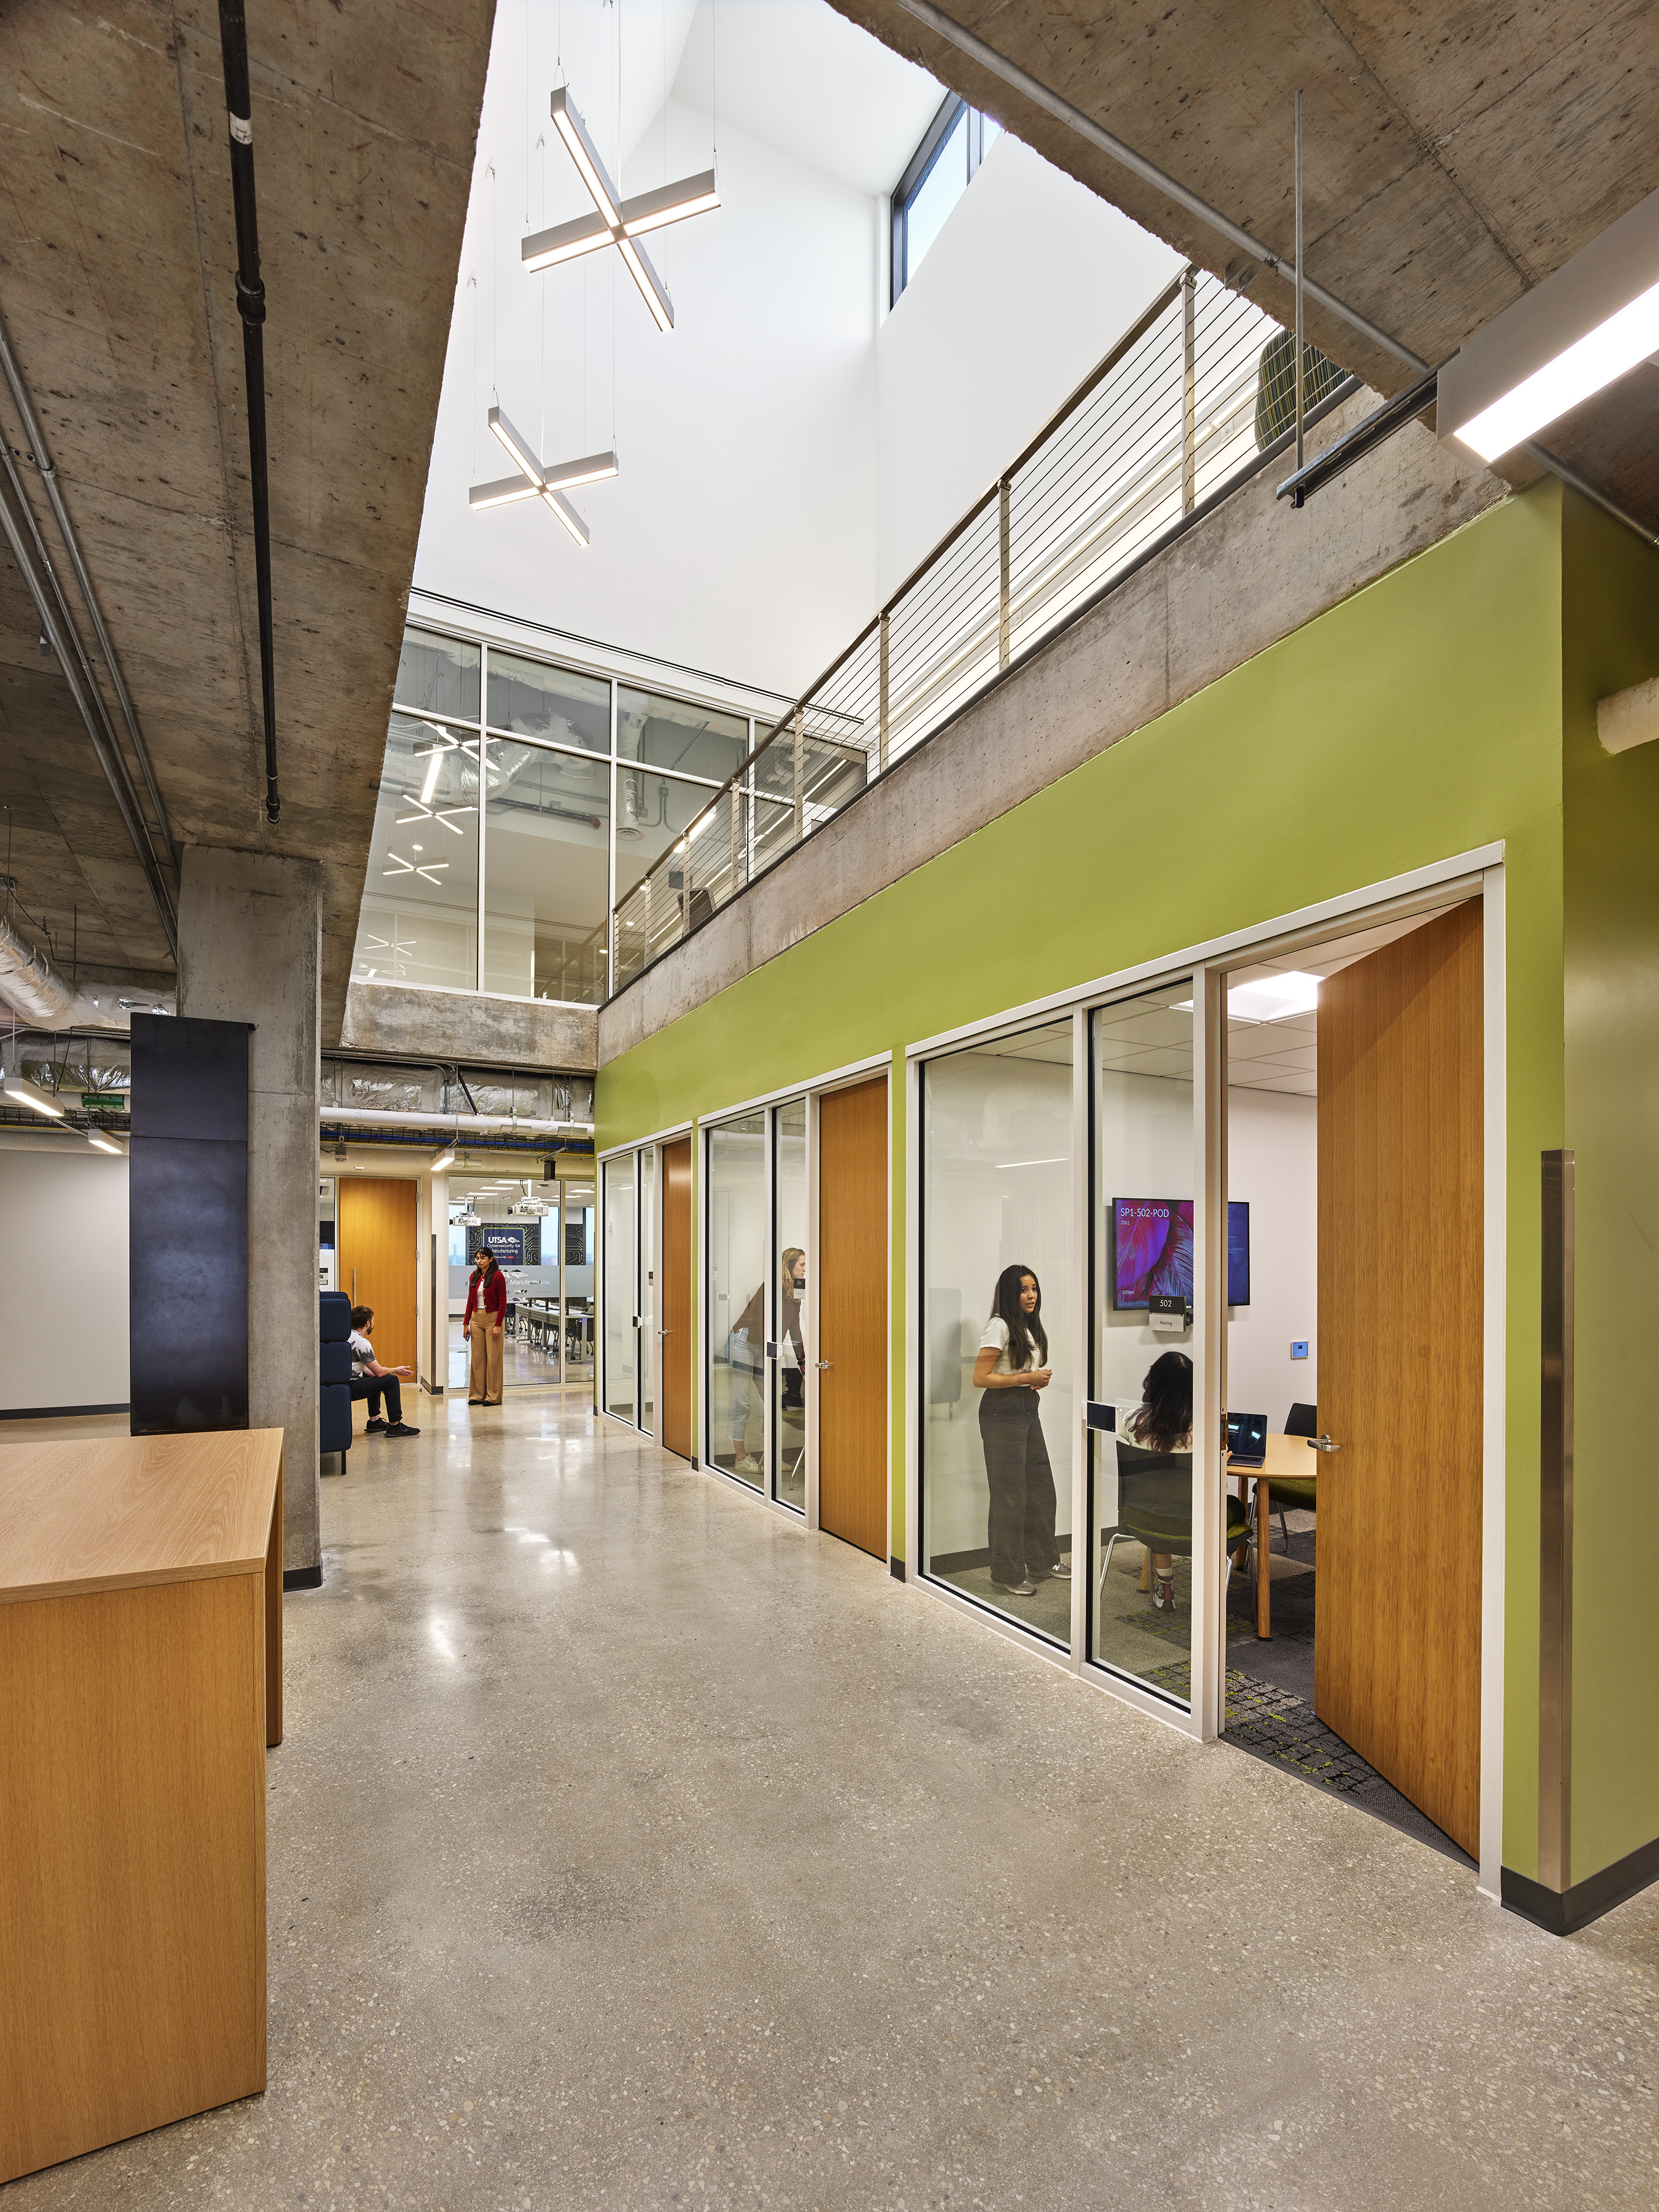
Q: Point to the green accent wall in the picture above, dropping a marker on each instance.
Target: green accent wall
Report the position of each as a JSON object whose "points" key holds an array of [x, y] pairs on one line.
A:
{"points": [[1419, 719]]}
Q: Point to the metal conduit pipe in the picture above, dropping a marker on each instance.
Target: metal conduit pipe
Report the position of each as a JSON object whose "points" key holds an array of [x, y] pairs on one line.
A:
{"points": [[39, 452], [251, 306], [456, 1125], [29, 550]]}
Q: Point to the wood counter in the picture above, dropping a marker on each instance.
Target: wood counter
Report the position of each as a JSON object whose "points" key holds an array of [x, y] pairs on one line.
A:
{"points": [[141, 1681]]}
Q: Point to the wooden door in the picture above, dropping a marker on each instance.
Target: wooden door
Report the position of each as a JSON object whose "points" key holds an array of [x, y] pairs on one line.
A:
{"points": [[852, 1271], [674, 1303], [1397, 1648], [376, 1232]]}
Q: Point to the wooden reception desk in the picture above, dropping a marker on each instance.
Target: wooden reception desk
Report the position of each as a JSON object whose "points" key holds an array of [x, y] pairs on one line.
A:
{"points": [[140, 1681]]}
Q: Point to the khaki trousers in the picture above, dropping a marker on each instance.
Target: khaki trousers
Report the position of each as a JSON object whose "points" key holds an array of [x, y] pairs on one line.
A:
{"points": [[488, 1344]]}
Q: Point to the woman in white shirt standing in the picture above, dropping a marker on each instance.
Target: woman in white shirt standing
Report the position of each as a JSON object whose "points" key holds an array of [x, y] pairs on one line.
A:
{"points": [[1010, 1370]]}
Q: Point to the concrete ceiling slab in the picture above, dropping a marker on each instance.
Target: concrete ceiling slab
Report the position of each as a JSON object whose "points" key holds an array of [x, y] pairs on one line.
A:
{"points": [[117, 283], [1452, 157]]}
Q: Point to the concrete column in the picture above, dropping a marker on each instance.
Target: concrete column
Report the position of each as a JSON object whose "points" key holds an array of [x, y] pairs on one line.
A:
{"points": [[250, 950]]}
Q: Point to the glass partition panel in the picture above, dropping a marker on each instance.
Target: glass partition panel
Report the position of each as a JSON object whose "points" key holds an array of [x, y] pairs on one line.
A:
{"points": [[737, 1301], [998, 1240], [647, 1288], [437, 675], [419, 920], [621, 1258], [652, 811], [528, 699], [667, 734], [792, 1273], [547, 865], [1141, 1609]]}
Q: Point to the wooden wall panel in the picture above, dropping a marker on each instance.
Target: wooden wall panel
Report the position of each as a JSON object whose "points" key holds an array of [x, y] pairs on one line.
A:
{"points": [[853, 1336], [676, 1298], [378, 1252]]}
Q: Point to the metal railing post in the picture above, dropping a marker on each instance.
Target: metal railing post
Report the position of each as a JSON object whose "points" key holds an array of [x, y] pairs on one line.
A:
{"points": [[881, 739], [800, 773], [737, 839], [1002, 574], [1188, 392]]}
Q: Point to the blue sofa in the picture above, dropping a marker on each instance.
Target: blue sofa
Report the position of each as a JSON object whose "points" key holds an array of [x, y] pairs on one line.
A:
{"points": [[334, 1374]]}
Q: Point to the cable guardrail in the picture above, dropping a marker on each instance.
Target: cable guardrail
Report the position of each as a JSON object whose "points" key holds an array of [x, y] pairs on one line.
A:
{"points": [[1188, 400]]}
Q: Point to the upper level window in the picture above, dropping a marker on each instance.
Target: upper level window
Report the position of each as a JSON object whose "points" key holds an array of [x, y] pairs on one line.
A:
{"points": [[939, 172]]}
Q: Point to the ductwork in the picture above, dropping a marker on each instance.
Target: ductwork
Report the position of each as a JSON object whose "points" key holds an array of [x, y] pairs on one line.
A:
{"points": [[30, 984], [451, 1125]]}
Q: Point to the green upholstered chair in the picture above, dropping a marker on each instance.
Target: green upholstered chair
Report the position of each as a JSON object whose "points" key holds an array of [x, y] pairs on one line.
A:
{"points": [[1155, 1507], [1295, 1493]]}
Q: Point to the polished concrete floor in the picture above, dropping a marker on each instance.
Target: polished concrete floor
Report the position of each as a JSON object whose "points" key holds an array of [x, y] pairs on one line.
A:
{"points": [[631, 1847]]}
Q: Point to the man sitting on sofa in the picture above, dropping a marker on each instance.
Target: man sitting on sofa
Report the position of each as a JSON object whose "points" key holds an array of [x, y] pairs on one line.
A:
{"points": [[369, 1379]]}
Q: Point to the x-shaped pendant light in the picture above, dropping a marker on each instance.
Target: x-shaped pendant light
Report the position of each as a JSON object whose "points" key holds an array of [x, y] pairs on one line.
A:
{"points": [[535, 481], [616, 222]]}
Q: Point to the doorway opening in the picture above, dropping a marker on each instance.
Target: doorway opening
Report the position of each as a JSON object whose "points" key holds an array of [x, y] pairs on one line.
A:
{"points": [[1354, 1378], [542, 1233]]}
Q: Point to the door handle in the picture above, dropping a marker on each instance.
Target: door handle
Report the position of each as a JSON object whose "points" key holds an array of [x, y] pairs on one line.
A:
{"points": [[824, 1364], [1322, 1444]]}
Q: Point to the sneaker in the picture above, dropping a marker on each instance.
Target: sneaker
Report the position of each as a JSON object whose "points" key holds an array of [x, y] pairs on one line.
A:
{"points": [[744, 1465], [402, 1429], [377, 1426], [1022, 1589], [1060, 1572]]}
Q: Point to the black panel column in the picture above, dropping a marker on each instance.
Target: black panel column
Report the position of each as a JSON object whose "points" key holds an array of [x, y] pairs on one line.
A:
{"points": [[188, 1215]]}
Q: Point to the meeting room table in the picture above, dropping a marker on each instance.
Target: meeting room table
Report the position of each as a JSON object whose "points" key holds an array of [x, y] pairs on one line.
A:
{"points": [[1286, 1456]]}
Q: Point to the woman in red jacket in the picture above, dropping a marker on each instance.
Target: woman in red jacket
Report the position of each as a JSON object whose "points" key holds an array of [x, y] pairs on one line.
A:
{"points": [[486, 1320]]}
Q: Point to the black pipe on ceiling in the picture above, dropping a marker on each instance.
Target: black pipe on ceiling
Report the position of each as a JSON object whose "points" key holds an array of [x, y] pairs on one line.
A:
{"points": [[251, 306]]}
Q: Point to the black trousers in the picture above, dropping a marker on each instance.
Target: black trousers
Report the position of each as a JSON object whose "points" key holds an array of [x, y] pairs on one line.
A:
{"points": [[1021, 1516], [371, 1385]]}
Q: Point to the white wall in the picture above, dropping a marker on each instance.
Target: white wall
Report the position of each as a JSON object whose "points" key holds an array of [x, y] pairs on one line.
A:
{"points": [[64, 1209], [1272, 1161], [790, 450], [1030, 282]]}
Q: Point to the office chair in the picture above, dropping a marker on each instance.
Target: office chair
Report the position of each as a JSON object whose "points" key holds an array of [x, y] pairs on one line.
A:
{"points": [[1155, 1507], [1295, 1493]]}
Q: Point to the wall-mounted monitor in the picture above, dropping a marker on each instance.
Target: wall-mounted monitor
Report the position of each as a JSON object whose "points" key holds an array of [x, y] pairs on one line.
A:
{"points": [[1152, 1251]]}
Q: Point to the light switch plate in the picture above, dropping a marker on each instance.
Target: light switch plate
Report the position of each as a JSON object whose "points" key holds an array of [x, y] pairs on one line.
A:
{"points": [[1299, 1348]]}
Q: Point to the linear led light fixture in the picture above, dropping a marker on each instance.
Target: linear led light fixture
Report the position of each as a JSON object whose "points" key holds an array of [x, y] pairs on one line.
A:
{"points": [[444, 1159], [102, 1143], [1571, 336], [616, 222], [22, 1092], [519, 449]]}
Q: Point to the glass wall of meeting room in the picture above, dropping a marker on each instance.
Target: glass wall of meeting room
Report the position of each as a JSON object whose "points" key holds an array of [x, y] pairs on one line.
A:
{"points": [[631, 1227], [519, 800], [1054, 1320], [755, 1335]]}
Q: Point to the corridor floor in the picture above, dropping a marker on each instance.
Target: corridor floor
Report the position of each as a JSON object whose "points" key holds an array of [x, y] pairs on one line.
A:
{"points": [[630, 1847]]}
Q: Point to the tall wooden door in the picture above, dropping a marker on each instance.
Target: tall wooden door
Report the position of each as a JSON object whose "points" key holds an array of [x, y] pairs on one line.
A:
{"points": [[853, 1271], [1397, 1651], [377, 1261], [674, 1298]]}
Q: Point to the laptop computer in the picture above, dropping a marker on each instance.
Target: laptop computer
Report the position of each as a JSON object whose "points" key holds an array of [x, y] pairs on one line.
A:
{"points": [[1247, 1439]]}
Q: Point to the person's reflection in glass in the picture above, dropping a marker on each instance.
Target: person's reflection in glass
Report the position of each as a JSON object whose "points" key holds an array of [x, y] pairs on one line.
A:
{"points": [[792, 1350], [1010, 1370], [742, 1354], [1163, 1422]]}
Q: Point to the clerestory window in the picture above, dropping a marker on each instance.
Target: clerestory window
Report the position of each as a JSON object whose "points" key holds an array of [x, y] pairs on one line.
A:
{"points": [[935, 178]]}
